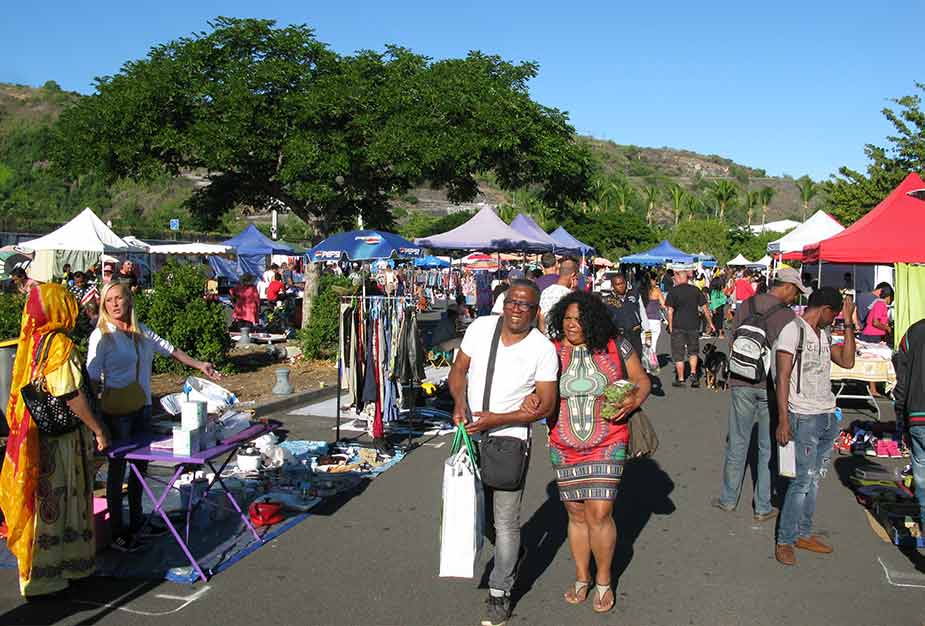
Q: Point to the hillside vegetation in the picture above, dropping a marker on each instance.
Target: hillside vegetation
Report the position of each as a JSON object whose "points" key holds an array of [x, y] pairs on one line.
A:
{"points": [[34, 197]]}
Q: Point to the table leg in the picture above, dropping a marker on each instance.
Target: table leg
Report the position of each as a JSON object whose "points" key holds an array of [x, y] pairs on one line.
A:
{"points": [[158, 508], [234, 503]]}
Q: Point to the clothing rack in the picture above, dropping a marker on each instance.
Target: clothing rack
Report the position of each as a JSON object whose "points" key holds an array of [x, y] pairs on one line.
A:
{"points": [[408, 302]]}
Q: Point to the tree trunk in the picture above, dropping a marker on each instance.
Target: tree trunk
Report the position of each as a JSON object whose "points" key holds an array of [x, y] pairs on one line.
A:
{"points": [[764, 214], [312, 278]]}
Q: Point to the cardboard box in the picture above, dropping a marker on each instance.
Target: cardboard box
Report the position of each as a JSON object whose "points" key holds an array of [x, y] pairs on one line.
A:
{"points": [[186, 442]]}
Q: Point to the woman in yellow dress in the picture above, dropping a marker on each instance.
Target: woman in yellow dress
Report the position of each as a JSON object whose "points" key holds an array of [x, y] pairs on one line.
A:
{"points": [[46, 486]]}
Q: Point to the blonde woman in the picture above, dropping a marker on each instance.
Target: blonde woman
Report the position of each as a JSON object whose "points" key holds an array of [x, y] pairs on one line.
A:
{"points": [[119, 359]]}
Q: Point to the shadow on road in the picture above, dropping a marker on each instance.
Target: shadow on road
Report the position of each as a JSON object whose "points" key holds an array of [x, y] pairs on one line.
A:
{"points": [[541, 537], [107, 594], [644, 492]]}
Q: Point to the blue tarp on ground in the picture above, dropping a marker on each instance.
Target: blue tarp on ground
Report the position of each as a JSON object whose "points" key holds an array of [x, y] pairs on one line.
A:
{"points": [[659, 255], [566, 241], [253, 248]]}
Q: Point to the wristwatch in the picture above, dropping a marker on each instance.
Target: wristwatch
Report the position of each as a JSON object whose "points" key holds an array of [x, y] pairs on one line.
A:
{"points": [[850, 327]]}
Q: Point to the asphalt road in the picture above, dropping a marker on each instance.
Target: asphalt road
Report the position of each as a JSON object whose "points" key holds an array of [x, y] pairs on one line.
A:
{"points": [[372, 558]]}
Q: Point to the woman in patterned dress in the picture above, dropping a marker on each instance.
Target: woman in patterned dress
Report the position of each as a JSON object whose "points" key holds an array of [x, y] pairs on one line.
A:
{"points": [[587, 440], [46, 486]]}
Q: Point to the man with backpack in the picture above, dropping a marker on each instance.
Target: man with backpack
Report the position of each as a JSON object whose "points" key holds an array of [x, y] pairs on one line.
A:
{"points": [[757, 324]]}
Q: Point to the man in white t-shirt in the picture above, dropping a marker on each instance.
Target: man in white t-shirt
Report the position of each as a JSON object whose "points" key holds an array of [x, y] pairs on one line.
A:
{"points": [[525, 363], [568, 281], [806, 408]]}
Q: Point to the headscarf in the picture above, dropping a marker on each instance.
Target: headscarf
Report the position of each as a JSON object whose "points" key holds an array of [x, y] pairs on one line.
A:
{"points": [[49, 308]]}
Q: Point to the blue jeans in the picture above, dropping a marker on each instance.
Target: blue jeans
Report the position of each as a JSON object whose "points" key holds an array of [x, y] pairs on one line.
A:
{"points": [[748, 406], [917, 441], [123, 428], [813, 436]]}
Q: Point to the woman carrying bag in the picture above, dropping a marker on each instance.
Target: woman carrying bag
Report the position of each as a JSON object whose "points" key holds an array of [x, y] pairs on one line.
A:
{"points": [[119, 360], [46, 487]]}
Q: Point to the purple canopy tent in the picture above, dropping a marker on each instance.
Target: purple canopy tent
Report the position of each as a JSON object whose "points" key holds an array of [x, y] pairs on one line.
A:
{"points": [[565, 240], [526, 225], [487, 232]]}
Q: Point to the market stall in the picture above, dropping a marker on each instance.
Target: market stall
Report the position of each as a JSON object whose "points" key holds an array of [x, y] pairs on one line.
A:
{"points": [[739, 261], [819, 226], [254, 249], [659, 255], [484, 231], [79, 243], [568, 242]]}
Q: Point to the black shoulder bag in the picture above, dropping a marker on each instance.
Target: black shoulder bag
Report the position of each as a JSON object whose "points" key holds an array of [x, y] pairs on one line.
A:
{"points": [[503, 460], [51, 414]]}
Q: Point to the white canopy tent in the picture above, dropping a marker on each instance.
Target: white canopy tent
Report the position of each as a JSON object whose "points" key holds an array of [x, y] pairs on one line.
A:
{"points": [[817, 228], [764, 262], [80, 243], [202, 249], [739, 261], [780, 226]]}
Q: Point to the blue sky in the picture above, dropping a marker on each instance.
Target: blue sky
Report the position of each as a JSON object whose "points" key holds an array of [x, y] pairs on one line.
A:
{"points": [[795, 88]]}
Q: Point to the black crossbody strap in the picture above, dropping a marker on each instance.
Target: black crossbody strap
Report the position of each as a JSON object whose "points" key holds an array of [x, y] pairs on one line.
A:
{"points": [[798, 359], [490, 370]]}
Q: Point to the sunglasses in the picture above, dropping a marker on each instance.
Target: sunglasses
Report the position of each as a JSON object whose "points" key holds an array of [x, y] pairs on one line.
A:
{"points": [[519, 305]]}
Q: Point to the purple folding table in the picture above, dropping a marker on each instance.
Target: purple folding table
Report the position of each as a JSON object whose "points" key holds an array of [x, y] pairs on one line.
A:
{"points": [[139, 450]]}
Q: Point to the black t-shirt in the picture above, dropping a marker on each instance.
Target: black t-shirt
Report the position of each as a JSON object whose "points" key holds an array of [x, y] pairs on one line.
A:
{"points": [[686, 301], [131, 279]]}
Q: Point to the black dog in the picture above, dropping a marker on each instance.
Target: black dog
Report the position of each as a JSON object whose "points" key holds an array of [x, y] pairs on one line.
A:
{"points": [[716, 367]]}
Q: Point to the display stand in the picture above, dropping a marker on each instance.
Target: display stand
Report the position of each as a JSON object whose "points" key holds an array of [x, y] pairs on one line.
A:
{"points": [[408, 301]]}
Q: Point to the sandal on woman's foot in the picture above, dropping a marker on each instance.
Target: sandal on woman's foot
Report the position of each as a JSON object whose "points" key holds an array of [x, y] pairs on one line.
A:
{"points": [[603, 599], [578, 593]]}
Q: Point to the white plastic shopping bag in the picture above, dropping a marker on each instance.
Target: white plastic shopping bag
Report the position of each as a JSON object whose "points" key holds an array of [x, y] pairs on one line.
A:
{"points": [[463, 522], [787, 459]]}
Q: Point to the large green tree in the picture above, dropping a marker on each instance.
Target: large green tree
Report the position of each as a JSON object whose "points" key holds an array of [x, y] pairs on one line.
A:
{"points": [[612, 233], [274, 117], [850, 193]]}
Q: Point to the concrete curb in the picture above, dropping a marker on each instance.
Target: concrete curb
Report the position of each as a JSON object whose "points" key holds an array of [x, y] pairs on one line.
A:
{"points": [[293, 401]]}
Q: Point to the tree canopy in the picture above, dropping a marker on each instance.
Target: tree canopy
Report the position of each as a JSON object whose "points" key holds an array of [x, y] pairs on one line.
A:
{"points": [[851, 194], [274, 117]]}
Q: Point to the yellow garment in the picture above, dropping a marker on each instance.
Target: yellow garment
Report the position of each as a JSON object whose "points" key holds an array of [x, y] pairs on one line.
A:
{"points": [[49, 308], [908, 305]]}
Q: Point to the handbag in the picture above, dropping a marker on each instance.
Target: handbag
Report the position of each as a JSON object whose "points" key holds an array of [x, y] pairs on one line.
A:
{"points": [[126, 400], [503, 459], [51, 414], [642, 440]]}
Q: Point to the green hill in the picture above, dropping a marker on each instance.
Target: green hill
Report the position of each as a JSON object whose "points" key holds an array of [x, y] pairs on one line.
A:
{"points": [[33, 198]]}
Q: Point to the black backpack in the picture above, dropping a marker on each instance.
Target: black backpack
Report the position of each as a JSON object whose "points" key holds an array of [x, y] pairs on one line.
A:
{"points": [[748, 354]]}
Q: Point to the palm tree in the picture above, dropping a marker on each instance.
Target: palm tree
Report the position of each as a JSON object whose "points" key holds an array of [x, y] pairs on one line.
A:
{"points": [[623, 193], [652, 194], [724, 192], [808, 190], [678, 197], [766, 194], [752, 199], [694, 204]]}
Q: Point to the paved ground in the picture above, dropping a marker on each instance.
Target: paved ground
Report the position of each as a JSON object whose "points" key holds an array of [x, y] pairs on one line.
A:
{"points": [[372, 558]]}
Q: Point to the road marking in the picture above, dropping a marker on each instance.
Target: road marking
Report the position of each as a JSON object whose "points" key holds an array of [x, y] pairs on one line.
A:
{"points": [[896, 574], [184, 600], [435, 445]]}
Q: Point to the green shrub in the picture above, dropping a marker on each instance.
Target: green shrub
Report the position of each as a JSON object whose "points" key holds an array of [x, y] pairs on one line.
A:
{"points": [[319, 338], [176, 311], [11, 305]]}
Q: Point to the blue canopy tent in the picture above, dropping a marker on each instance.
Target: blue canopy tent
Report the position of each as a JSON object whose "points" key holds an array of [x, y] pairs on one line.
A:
{"points": [[566, 241], [253, 248], [525, 225], [707, 260], [659, 255], [431, 262], [363, 245]]}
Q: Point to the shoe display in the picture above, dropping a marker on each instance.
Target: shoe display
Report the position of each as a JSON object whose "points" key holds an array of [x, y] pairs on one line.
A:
{"points": [[499, 610]]}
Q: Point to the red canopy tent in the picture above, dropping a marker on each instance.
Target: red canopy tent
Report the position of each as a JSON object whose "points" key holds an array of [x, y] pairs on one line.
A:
{"points": [[890, 233]]}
